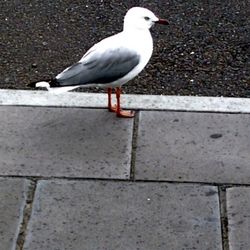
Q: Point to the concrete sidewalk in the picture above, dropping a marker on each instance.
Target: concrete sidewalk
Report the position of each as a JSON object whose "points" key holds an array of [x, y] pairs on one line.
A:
{"points": [[77, 177]]}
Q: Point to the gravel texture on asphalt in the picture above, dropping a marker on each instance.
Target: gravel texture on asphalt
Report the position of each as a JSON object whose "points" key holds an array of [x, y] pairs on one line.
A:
{"points": [[204, 51]]}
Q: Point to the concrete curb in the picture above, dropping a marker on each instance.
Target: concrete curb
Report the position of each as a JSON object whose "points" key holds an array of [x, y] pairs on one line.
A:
{"points": [[142, 102]]}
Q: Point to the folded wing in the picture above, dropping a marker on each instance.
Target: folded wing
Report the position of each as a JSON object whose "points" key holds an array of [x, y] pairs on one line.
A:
{"points": [[99, 67]]}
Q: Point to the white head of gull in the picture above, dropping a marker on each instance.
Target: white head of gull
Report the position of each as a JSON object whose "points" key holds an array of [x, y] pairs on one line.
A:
{"points": [[113, 61], [138, 18]]}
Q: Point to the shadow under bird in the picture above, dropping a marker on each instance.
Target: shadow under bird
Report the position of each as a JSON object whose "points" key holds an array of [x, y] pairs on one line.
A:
{"points": [[113, 61]]}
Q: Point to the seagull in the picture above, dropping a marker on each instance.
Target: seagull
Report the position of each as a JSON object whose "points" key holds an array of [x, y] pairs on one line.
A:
{"points": [[113, 61]]}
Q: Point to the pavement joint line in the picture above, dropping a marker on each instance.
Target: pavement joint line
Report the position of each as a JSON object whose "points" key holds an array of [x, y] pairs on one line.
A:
{"points": [[223, 216], [26, 215], [137, 102], [39, 178], [134, 145]]}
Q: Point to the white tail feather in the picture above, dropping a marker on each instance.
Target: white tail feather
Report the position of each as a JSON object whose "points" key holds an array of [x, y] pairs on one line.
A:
{"points": [[43, 85]]}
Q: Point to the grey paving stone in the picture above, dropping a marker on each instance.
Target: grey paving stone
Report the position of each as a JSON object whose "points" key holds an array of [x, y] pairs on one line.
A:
{"points": [[13, 194], [123, 215], [199, 147], [238, 210], [73, 142]]}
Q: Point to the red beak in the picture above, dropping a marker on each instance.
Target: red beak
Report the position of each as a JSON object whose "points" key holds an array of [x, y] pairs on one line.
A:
{"points": [[163, 21]]}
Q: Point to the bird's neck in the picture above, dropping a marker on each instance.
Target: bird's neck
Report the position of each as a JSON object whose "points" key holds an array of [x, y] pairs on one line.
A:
{"points": [[133, 31], [140, 40], [138, 34]]}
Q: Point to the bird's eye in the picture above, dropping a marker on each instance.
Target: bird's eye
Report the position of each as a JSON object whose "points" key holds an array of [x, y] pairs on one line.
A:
{"points": [[146, 18]]}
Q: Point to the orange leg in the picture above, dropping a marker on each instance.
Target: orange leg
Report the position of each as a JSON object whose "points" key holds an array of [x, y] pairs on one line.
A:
{"points": [[119, 111], [110, 107]]}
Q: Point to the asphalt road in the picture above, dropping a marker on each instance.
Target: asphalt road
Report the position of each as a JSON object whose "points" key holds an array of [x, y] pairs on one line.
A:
{"points": [[205, 50]]}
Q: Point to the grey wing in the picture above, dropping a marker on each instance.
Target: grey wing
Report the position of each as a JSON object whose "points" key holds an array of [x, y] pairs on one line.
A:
{"points": [[98, 67]]}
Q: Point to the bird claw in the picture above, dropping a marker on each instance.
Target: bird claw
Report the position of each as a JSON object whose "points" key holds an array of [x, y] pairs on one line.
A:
{"points": [[126, 113], [113, 108]]}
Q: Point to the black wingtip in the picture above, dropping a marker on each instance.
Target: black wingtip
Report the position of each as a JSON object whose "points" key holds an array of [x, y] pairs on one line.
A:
{"points": [[31, 84], [54, 83]]}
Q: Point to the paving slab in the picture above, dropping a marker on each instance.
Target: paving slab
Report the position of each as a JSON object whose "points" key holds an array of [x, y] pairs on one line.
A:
{"points": [[238, 210], [68, 142], [116, 215], [196, 147], [13, 195]]}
